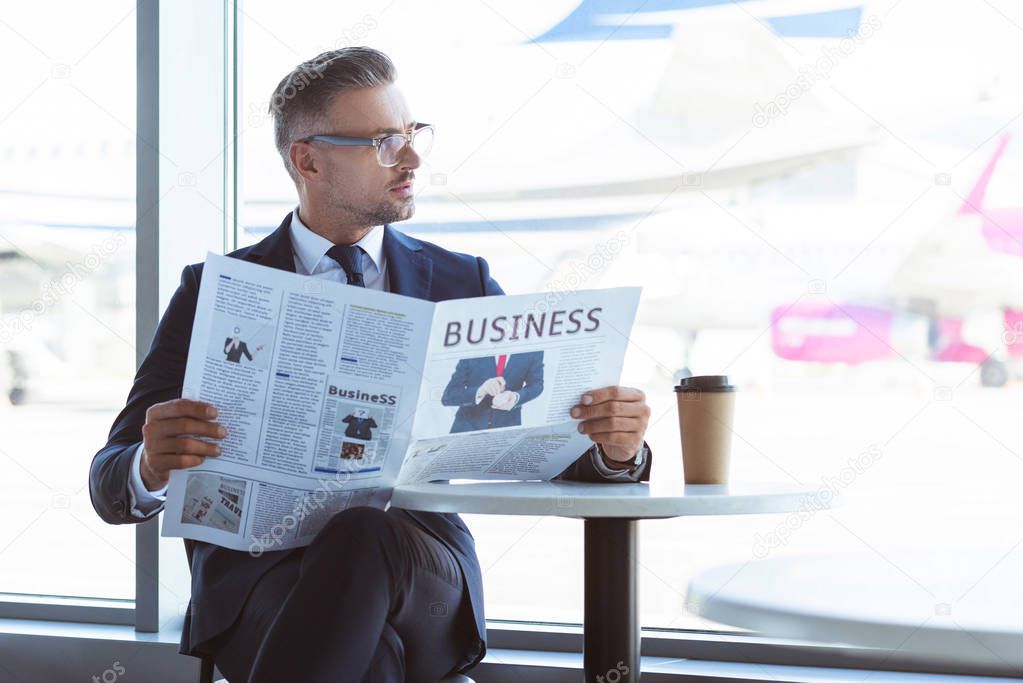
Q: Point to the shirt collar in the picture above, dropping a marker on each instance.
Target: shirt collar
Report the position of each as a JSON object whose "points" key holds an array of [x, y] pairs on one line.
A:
{"points": [[311, 248]]}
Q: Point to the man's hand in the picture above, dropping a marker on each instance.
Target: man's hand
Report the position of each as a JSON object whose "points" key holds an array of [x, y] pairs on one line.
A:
{"points": [[168, 439], [492, 387], [616, 418], [506, 400]]}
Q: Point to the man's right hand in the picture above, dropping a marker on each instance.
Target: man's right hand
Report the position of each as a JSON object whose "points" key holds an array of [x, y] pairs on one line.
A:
{"points": [[168, 439], [492, 387]]}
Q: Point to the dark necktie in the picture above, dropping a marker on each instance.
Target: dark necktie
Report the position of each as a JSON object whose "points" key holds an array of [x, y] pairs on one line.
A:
{"points": [[348, 257]]}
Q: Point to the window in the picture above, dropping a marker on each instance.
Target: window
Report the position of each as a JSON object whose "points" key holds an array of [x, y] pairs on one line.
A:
{"points": [[67, 300], [795, 219], [92, 162]]}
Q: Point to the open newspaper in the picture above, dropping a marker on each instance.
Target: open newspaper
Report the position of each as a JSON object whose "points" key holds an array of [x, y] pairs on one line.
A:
{"points": [[334, 394]]}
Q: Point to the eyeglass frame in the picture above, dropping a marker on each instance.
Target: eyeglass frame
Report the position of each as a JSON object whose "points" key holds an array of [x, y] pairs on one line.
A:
{"points": [[348, 141]]}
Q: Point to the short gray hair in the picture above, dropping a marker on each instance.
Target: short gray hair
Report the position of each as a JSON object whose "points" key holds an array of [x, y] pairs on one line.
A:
{"points": [[303, 96]]}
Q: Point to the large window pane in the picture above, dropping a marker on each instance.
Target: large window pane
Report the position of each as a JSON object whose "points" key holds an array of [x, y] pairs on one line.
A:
{"points": [[788, 187], [67, 316]]}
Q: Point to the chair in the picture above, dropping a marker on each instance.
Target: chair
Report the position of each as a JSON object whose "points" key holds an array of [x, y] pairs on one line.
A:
{"points": [[206, 665]]}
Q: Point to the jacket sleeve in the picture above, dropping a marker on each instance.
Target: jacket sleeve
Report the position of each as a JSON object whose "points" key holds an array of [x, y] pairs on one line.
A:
{"points": [[534, 380], [489, 284], [459, 391], [583, 468], [159, 379]]}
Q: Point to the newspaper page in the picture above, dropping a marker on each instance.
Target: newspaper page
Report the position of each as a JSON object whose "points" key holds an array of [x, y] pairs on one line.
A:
{"points": [[317, 383], [502, 374], [332, 394]]}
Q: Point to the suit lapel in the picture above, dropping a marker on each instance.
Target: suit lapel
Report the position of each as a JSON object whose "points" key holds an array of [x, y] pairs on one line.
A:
{"points": [[409, 271], [275, 249]]}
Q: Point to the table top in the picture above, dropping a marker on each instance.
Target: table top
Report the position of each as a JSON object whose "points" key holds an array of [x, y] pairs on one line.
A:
{"points": [[954, 605], [577, 499]]}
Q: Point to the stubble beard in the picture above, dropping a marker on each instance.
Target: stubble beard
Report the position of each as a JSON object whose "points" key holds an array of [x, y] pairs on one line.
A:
{"points": [[381, 213]]}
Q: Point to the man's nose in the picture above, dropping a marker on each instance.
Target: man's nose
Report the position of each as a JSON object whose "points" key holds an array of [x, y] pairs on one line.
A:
{"points": [[409, 159]]}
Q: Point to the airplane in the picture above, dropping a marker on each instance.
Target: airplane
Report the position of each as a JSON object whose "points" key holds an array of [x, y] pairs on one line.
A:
{"points": [[719, 219], [967, 262]]}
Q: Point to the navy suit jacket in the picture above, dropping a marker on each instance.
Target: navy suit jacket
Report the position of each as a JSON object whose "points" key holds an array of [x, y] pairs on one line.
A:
{"points": [[235, 354], [222, 578], [523, 373], [359, 427]]}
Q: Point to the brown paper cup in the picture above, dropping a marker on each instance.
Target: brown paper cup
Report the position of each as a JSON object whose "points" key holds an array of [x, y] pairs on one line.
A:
{"points": [[706, 408]]}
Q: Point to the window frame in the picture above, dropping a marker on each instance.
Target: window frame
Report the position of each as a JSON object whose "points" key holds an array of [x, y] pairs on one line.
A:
{"points": [[160, 254]]}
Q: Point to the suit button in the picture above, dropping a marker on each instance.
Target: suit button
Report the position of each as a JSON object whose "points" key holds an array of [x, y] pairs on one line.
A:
{"points": [[118, 505]]}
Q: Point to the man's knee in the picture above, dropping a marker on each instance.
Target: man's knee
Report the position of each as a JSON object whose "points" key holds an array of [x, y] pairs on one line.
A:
{"points": [[362, 529]]}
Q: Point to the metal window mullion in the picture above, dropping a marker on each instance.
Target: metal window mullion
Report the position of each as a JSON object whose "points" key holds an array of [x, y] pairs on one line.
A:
{"points": [[232, 123], [147, 262]]}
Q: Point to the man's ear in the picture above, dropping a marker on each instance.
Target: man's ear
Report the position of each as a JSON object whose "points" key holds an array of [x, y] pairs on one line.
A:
{"points": [[303, 158]]}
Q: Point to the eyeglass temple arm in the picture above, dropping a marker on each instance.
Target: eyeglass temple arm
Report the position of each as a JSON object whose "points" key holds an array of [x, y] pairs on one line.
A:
{"points": [[343, 141]]}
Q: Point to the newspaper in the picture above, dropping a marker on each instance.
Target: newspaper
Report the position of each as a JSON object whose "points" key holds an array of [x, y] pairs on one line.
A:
{"points": [[334, 394]]}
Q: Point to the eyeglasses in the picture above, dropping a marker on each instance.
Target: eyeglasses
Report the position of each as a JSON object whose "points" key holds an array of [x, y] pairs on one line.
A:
{"points": [[389, 147]]}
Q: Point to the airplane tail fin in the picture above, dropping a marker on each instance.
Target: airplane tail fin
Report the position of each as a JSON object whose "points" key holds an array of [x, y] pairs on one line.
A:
{"points": [[698, 99], [975, 200]]}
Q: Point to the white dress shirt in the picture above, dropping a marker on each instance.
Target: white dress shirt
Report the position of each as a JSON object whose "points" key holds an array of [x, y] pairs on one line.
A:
{"points": [[310, 253]]}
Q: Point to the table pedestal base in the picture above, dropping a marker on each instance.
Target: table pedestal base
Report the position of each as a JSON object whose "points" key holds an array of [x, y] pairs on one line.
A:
{"points": [[611, 616]]}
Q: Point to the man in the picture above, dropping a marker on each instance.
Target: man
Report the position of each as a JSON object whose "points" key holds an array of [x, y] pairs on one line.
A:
{"points": [[490, 391], [377, 596], [235, 348], [360, 425]]}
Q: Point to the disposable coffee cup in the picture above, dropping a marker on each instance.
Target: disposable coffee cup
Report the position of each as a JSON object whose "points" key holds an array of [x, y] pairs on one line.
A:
{"points": [[706, 408]]}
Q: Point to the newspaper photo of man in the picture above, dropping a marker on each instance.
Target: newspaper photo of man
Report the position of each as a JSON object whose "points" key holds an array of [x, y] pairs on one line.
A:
{"points": [[490, 391], [360, 424], [235, 348]]}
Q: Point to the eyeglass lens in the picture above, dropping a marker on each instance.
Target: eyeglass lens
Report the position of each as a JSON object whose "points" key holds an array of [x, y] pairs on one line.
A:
{"points": [[391, 146]]}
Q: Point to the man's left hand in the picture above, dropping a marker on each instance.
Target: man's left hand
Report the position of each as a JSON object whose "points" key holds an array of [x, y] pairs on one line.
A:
{"points": [[616, 418], [505, 400]]}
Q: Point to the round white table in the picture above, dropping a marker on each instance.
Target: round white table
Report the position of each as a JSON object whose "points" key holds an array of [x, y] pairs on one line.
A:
{"points": [[610, 513], [946, 607]]}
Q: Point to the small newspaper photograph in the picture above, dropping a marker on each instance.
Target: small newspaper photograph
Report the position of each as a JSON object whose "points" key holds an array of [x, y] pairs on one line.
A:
{"points": [[333, 394]]}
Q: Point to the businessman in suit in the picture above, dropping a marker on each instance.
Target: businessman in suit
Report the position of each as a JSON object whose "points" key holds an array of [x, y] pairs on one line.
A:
{"points": [[235, 348], [377, 596], [490, 391], [360, 425]]}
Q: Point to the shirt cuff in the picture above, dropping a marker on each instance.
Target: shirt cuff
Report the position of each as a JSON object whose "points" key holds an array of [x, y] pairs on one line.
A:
{"points": [[143, 501], [630, 474]]}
